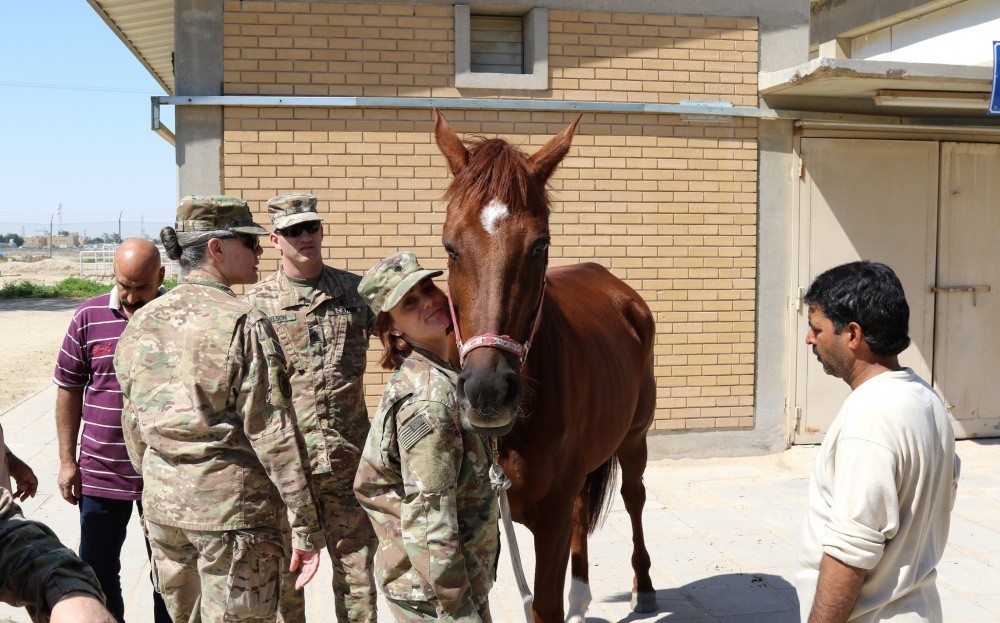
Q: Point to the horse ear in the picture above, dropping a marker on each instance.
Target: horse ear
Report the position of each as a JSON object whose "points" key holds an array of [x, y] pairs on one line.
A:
{"points": [[546, 159], [450, 145]]}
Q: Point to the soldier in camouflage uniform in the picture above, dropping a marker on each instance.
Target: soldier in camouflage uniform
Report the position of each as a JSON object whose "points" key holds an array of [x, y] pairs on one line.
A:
{"points": [[11, 467], [423, 479], [324, 325], [209, 424], [43, 575], [36, 570]]}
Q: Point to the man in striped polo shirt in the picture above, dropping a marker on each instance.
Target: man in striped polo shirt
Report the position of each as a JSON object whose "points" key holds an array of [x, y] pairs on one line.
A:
{"points": [[103, 481]]}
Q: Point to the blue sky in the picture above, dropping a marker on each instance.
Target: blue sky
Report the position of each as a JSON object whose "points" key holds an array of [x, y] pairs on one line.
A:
{"points": [[74, 125]]}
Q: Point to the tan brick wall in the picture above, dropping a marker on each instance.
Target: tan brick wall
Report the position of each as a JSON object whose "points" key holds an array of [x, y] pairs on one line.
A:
{"points": [[670, 207], [395, 50]]}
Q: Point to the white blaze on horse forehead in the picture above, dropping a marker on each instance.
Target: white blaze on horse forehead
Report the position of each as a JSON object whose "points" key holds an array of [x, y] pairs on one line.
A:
{"points": [[492, 213]]}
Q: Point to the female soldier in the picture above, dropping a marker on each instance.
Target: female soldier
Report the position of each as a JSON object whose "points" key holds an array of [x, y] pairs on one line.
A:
{"points": [[209, 425], [423, 480]]}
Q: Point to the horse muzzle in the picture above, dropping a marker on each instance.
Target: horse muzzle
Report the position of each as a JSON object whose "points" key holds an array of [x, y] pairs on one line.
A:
{"points": [[490, 400]]}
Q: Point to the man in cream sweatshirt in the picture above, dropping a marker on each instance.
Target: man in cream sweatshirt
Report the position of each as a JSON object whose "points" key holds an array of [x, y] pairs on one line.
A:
{"points": [[884, 481]]}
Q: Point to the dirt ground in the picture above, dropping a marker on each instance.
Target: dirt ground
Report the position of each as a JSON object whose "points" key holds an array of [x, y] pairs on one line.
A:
{"points": [[47, 271], [36, 266], [32, 330]]}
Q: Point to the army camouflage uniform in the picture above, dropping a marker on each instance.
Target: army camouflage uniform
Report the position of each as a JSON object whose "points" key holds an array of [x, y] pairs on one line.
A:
{"points": [[36, 570], [209, 424], [4, 470], [424, 481], [324, 332], [323, 325]]}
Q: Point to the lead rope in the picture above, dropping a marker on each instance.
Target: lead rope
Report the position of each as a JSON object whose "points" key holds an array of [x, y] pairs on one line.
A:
{"points": [[500, 484]]}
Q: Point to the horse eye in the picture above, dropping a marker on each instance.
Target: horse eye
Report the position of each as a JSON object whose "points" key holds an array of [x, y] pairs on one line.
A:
{"points": [[452, 253], [539, 248]]}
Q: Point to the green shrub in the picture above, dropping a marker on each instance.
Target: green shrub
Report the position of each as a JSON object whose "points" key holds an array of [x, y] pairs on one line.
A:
{"points": [[70, 288], [76, 288], [25, 289]]}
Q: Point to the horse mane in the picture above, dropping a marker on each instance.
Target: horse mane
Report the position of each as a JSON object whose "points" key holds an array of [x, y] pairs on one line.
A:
{"points": [[498, 170]]}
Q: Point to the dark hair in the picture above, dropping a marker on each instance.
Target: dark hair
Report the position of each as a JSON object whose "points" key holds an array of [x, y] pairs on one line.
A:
{"points": [[190, 253], [168, 236], [396, 349], [869, 294]]}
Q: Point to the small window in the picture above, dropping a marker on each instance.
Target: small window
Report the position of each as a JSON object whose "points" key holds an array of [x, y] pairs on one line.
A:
{"points": [[496, 44], [501, 51]]}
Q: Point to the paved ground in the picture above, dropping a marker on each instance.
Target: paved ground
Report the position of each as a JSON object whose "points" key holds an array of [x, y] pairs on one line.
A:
{"points": [[720, 531]]}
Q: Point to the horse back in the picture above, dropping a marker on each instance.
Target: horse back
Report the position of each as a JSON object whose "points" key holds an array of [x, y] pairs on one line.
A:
{"points": [[595, 304]]}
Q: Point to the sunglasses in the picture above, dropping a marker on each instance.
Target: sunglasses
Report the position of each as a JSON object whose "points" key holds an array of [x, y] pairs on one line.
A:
{"points": [[250, 242], [296, 230]]}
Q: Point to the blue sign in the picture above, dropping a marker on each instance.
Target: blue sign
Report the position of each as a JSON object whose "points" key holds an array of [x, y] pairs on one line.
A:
{"points": [[995, 94]]}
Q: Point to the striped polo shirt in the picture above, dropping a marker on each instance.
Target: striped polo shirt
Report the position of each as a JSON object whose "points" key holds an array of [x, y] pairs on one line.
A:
{"points": [[86, 360]]}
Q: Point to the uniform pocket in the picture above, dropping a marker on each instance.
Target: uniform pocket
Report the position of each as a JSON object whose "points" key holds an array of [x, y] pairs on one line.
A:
{"points": [[254, 582], [294, 335], [336, 337]]}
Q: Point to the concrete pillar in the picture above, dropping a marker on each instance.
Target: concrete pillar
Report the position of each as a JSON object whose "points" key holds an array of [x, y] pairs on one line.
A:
{"points": [[198, 71], [784, 43]]}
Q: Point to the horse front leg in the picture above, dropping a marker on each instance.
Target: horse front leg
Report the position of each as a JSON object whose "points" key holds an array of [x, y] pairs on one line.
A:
{"points": [[579, 587], [552, 541]]}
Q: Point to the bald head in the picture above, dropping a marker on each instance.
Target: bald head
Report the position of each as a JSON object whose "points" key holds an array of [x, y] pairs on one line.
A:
{"points": [[138, 274]]}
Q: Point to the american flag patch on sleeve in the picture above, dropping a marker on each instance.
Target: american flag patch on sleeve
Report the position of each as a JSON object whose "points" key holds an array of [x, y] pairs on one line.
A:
{"points": [[413, 431]]}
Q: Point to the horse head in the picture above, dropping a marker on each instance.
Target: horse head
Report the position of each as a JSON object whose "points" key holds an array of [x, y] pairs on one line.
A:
{"points": [[496, 234]]}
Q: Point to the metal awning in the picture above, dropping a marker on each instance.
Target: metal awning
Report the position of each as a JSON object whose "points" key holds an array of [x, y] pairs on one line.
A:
{"points": [[147, 28], [875, 86]]}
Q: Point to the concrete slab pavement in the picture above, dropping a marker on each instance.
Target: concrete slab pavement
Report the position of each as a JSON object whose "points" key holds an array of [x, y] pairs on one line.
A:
{"points": [[721, 533]]}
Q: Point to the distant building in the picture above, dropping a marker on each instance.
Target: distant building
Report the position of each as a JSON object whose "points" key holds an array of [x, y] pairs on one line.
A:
{"points": [[63, 242], [69, 240], [36, 242]]}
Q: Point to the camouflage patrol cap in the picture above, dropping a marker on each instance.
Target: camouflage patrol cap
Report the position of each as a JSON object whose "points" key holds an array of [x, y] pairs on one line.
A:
{"points": [[212, 212], [386, 283], [291, 209]]}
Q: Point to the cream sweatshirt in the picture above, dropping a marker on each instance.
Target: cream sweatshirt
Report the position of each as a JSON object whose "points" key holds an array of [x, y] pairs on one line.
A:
{"points": [[880, 498]]}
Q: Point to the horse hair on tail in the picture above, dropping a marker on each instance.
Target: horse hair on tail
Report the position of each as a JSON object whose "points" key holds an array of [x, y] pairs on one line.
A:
{"points": [[599, 486]]}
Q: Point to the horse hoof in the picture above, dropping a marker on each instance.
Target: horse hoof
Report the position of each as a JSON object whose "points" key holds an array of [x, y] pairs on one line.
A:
{"points": [[644, 602]]}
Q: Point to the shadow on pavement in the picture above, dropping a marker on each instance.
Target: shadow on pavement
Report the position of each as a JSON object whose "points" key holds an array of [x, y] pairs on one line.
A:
{"points": [[39, 304], [987, 442], [756, 597]]}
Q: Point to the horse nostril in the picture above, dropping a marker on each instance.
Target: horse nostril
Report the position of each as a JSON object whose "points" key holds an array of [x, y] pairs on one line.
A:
{"points": [[513, 396], [473, 390]]}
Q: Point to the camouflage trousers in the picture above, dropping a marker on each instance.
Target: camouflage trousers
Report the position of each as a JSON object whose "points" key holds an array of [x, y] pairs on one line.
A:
{"points": [[425, 612], [217, 576], [351, 542]]}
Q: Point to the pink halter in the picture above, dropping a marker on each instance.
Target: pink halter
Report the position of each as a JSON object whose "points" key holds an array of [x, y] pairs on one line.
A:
{"points": [[492, 340]]}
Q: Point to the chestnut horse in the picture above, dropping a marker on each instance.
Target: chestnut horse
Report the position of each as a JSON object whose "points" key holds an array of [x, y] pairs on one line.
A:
{"points": [[583, 396]]}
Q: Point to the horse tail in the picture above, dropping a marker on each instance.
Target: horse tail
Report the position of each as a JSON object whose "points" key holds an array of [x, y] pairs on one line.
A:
{"points": [[598, 488]]}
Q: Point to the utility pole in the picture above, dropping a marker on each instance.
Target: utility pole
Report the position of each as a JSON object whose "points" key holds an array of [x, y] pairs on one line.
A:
{"points": [[119, 228], [50, 235]]}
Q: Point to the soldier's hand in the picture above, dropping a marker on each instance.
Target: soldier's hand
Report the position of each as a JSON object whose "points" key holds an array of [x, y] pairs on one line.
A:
{"points": [[306, 563], [69, 482], [24, 478], [80, 607]]}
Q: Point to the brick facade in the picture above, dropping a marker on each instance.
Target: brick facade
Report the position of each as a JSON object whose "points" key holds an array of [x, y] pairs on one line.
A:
{"points": [[670, 207]]}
